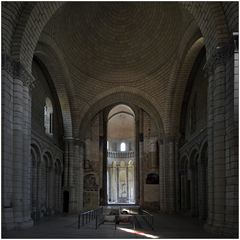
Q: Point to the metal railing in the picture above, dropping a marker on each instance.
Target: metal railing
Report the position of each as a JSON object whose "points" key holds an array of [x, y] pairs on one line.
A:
{"points": [[88, 216], [148, 217]]}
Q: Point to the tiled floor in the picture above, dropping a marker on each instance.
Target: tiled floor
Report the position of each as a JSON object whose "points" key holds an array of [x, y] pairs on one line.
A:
{"points": [[165, 226]]}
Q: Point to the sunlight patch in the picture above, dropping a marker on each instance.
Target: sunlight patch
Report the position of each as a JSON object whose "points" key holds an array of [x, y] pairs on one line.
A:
{"points": [[138, 232]]}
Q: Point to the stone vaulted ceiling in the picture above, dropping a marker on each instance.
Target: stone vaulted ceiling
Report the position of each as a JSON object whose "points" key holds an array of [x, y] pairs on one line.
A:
{"points": [[110, 44]]}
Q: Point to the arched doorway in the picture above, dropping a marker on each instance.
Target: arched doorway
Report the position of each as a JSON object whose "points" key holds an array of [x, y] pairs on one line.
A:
{"points": [[121, 155]]}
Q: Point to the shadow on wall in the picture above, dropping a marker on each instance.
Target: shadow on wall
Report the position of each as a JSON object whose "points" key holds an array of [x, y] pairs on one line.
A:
{"points": [[152, 178]]}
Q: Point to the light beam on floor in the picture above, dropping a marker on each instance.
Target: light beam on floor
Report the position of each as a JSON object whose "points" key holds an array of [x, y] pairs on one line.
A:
{"points": [[137, 232]]}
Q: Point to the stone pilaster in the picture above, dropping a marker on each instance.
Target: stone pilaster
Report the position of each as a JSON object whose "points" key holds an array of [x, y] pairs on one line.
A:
{"points": [[167, 174]]}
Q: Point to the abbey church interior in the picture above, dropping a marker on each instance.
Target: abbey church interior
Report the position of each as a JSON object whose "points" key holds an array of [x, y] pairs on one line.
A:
{"points": [[108, 105]]}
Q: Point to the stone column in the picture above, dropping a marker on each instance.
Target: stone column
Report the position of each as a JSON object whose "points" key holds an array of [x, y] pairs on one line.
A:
{"points": [[109, 182], [127, 183], [167, 169], [171, 196], [141, 157], [68, 171], [79, 172], [162, 183], [114, 174], [222, 142], [117, 182], [7, 142], [232, 136], [21, 146]]}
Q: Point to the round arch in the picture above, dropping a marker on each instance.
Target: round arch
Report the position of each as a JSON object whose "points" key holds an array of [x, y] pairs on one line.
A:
{"points": [[119, 96], [178, 84], [49, 54], [49, 159], [194, 155], [35, 17], [36, 152]]}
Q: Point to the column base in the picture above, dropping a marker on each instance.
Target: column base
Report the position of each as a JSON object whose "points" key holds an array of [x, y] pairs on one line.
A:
{"points": [[25, 224], [224, 231], [7, 219]]}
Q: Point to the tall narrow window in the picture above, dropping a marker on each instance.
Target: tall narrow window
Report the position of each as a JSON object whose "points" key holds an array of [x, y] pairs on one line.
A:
{"points": [[123, 147], [48, 117]]}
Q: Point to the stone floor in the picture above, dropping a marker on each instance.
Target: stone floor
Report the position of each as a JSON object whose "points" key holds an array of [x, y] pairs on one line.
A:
{"points": [[165, 226]]}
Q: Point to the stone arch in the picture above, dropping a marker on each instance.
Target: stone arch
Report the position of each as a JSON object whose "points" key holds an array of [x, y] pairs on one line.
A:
{"points": [[47, 156], [49, 53], [36, 152], [211, 20], [208, 16], [33, 20], [203, 148], [194, 155], [59, 164], [178, 84], [183, 162], [116, 96]]}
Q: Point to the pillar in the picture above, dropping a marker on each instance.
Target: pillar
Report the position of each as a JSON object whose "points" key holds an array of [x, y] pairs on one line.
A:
{"points": [[79, 156], [68, 171], [117, 182], [127, 183], [222, 141], [7, 142], [16, 139], [162, 183], [167, 174], [141, 155]]}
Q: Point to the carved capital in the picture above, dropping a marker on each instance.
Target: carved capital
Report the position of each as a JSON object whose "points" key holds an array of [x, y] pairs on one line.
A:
{"points": [[20, 73], [7, 64], [219, 57], [16, 70]]}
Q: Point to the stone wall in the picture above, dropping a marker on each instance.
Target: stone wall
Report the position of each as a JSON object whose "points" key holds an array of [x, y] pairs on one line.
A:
{"points": [[44, 89]]}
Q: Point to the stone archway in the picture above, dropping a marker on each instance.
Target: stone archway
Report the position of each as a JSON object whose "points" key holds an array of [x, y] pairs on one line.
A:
{"points": [[120, 96], [22, 47]]}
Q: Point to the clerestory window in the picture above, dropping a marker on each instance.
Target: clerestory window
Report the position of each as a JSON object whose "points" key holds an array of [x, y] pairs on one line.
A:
{"points": [[48, 117], [123, 147]]}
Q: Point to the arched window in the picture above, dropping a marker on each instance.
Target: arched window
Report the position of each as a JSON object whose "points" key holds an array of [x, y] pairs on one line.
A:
{"points": [[48, 117], [123, 147]]}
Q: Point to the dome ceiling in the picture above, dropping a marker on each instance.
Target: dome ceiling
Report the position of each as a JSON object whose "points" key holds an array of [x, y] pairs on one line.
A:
{"points": [[117, 41]]}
